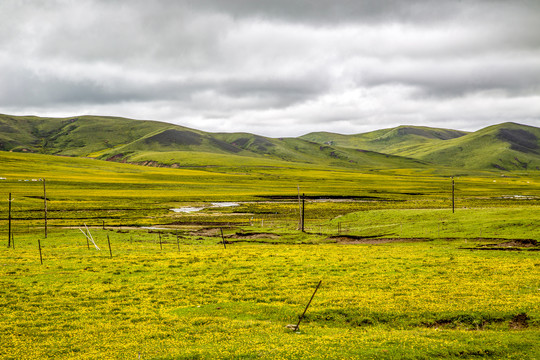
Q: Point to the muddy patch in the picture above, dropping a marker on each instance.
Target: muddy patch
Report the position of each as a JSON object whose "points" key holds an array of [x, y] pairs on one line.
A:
{"points": [[253, 236], [524, 243], [351, 240], [223, 224], [216, 232], [327, 198], [510, 245], [519, 321], [210, 232], [237, 237]]}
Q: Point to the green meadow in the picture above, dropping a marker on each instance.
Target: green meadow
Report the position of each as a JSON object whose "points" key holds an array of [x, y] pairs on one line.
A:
{"points": [[403, 276]]}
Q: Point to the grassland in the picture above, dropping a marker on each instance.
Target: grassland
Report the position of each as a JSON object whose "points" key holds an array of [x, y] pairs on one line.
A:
{"points": [[137, 141], [199, 300], [507, 146], [402, 276]]}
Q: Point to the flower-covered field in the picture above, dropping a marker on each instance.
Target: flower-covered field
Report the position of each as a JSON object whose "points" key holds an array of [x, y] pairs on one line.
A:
{"points": [[403, 277], [195, 299]]}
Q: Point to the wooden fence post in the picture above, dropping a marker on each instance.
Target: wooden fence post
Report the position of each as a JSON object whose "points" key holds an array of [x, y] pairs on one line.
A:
{"points": [[109, 241], [45, 206], [303, 209], [299, 208], [9, 221], [222, 238], [453, 201], [40, 257], [307, 306]]}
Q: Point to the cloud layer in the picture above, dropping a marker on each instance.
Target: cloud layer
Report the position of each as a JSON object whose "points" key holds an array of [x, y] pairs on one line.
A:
{"points": [[277, 68]]}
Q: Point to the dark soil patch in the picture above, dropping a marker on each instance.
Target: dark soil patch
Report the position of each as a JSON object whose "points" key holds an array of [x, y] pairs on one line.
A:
{"points": [[510, 245], [37, 197], [227, 224], [210, 232], [471, 322], [501, 249], [519, 321], [216, 232], [253, 241], [351, 239], [517, 243], [117, 158], [250, 236], [324, 197]]}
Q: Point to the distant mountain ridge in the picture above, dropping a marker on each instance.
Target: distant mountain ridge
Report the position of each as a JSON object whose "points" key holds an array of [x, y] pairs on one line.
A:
{"points": [[392, 141], [507, 146]]}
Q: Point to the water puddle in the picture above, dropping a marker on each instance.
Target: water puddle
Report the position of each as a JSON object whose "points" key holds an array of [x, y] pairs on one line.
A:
{"points": [[224, 204], [187, 209], [190, 209]]}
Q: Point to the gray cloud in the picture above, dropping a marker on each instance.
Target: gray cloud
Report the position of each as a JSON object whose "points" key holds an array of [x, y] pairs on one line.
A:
{"points": [[253, 65], [455, 77], [329, 12]]}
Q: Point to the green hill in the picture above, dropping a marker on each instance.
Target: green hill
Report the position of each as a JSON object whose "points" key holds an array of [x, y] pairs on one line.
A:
{"points": [[507, 146], [74, 136], [156, 143], [395, 141], [240, 148]]}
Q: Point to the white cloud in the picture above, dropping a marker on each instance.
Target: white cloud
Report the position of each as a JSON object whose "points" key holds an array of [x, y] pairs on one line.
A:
{"points": [[275, 68]]}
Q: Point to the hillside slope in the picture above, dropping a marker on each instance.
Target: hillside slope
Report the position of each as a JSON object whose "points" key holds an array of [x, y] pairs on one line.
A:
{"points": [[74, 136], [507, 146], [151, 142], [394, 141]]}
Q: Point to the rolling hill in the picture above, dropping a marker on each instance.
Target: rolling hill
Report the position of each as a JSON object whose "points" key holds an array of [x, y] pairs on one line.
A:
{"points": [[157, 143], [507, 146], [391, 141]]}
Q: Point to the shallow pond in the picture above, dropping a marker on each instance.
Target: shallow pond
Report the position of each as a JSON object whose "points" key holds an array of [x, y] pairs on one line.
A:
{"points": [[190, 209]]}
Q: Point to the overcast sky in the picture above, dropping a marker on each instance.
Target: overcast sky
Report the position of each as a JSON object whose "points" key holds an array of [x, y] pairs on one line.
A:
{"points": [[275, 68]]}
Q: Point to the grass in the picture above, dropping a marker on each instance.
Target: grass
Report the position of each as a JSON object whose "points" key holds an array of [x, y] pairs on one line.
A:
{"points": [[513, 223], [503, 146], [84, 190], [407, 300], [391, 141], [507, 146], [192, 298], [161, 143]]}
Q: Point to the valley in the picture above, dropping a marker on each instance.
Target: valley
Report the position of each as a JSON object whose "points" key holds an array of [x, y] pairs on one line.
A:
{"points": [[404, 274]]}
